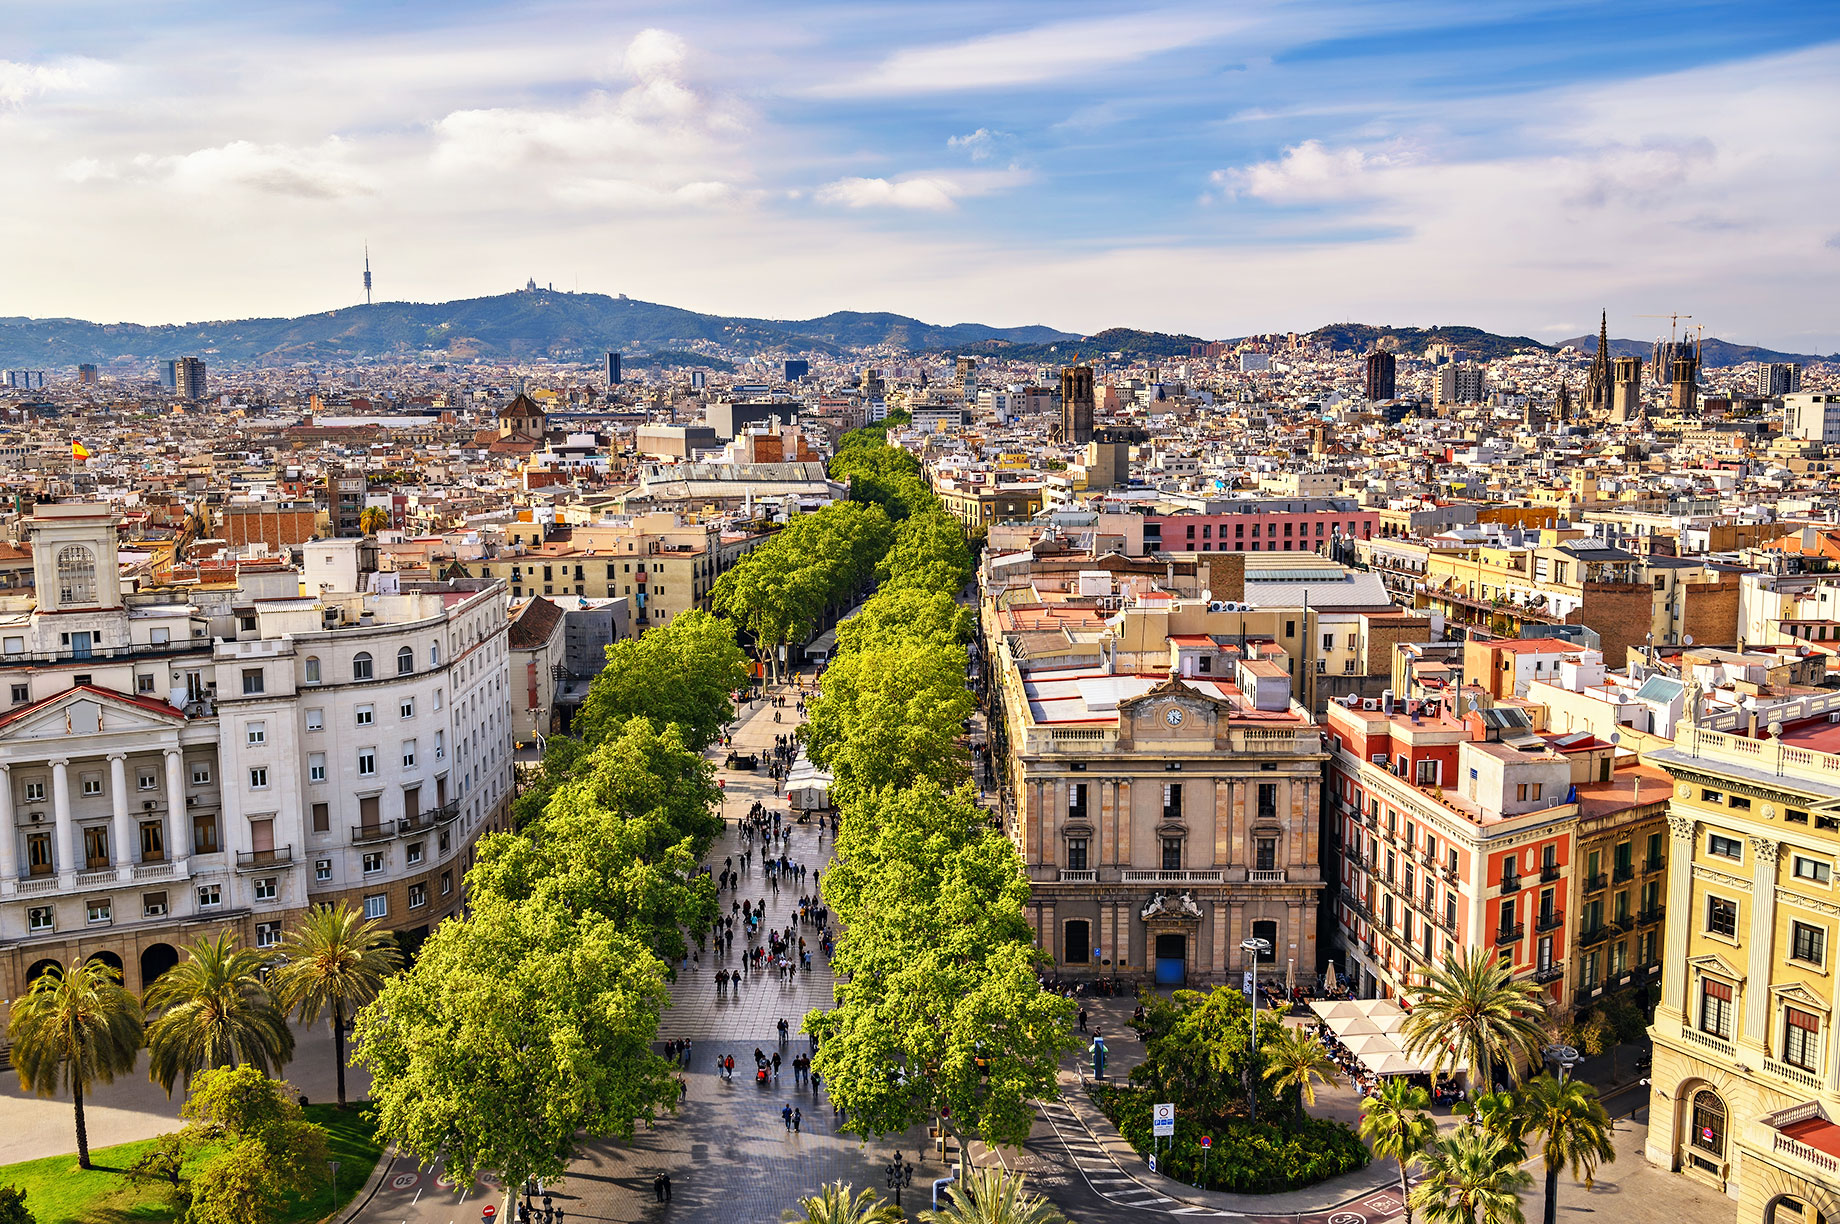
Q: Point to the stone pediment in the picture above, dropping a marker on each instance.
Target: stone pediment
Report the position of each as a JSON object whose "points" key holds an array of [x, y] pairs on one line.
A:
{"points": [[87, 710], [1713, 963], [1175, 687], [1800, 996]]}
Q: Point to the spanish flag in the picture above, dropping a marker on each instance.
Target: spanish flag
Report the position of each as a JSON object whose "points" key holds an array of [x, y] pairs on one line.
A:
{"points": [[79, 451]]}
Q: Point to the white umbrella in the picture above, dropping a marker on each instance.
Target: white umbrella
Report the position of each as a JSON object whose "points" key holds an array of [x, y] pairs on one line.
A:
{"points": [[1358, 1026], [1346, 1009], [1371, 1047]]}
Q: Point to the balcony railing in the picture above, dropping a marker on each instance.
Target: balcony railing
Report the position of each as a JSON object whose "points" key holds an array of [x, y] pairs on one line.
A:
{"points": [[1649, 917], [1068, 876], [1795, 1075], [1651, 866], [1551, 973], [1623, 872], [1172, 877], [1510, 934], [1510, 884], [1549, 872], [1626, 923], [255, 860], [1266, 877], [1551, 921], [361, 834], [1595, 935], [1594, 882], [1716, 1044], [1786, 1145]]}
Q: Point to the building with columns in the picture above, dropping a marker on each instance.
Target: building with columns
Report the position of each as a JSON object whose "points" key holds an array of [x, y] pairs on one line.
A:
{"points": [[1166, 804], [1746, 1082], [177, 760]]}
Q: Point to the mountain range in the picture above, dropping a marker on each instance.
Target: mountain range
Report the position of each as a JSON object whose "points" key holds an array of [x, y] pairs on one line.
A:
{"points": [[1714, 352], [545, 323], [534, 323]]}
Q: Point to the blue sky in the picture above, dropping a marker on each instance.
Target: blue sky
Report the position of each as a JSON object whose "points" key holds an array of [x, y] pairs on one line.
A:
{"points": [[1216, 168]]}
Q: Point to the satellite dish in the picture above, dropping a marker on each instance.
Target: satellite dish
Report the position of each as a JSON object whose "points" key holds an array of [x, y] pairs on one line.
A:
{"points": [[1687, 641], [1616, 737], [1474, 704]]}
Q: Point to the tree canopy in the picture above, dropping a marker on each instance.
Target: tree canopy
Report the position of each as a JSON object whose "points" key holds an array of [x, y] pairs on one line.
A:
{"points": [[517, 1031], [685, 673], [892, 714]]}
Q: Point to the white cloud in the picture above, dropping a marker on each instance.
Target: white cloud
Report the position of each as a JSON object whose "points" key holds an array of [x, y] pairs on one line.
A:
{"points": [[322, 172], [19, 82], [660, 139], [929, 194], [1036, 55], [980, 145], [1310, 172]]}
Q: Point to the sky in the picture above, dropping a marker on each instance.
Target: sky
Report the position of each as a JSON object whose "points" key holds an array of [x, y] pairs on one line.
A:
{"points": [[1216, 169]]}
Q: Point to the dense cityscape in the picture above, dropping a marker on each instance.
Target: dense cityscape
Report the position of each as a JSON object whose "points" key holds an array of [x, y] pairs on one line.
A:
{"points": [[824, 614]]}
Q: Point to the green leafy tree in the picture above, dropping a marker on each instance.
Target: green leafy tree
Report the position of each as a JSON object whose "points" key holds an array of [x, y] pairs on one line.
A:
{"points": [[939, 1011], [1198, 1050], [1573, 1130], [1473, 1011], [266, 1154], [840, 1203], [73, 1028], [993, 1196], [1295, 1061], [684, 673], [1397, 1124], [622, 839], [334, 962], [215, 1011], [163, 1165], [1471, 1177], [906, 613], [892, 715], [518, 1032], [13, 1208], [561, 754]]}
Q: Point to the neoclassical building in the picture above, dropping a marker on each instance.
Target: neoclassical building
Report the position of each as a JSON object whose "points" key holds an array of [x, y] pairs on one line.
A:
{"points": [[180, 760], [1164, 816], [1746, 1078]]}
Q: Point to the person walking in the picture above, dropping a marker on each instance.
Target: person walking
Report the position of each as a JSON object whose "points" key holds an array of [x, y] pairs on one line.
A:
{"points": [[658, 1187], [1082, 1019], [785, 1116], [667, 1192], [798, 1116]]}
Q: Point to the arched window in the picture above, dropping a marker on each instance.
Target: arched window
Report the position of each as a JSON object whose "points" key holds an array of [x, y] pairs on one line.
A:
{"points": [[405, 661], [312, 669], [76, 571], [361, 666], [1708, 1123]]}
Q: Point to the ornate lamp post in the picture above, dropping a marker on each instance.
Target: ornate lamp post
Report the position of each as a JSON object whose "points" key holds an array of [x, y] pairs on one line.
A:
{"points": [[900, 1175], [1257, 947]]}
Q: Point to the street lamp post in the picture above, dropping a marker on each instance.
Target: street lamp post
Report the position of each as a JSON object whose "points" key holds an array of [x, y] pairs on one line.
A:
{"points": [[1257, 947], [1564, 1057], [900, 1175]]}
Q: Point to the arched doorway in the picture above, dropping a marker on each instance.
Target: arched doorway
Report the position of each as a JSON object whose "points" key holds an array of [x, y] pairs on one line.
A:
{"points": [[155, 960], [40, 968], [1787, 1209], [1706, 1136], [110, 959]]}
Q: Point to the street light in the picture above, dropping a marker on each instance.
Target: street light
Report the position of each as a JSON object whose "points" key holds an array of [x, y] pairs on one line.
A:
{"points": [[1258, 947], [335, 1183], [900, 1174]]}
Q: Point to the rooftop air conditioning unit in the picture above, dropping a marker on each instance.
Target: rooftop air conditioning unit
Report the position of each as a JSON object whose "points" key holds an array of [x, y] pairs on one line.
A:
{"points": [[1370, 703], [37, 816], [157, 910], [190, 801], [146, 805]]}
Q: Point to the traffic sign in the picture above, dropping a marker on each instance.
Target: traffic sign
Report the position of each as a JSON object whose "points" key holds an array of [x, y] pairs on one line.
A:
{"points": [[1207, 1141], [1163, 1120]]}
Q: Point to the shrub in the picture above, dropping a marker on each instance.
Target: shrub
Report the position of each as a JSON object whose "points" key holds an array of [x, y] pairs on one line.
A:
{"points": [[1247, 1157]]}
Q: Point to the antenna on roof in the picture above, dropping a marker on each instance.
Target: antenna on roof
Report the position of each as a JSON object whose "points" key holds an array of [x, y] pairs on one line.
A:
{"points": [[367, 274]]}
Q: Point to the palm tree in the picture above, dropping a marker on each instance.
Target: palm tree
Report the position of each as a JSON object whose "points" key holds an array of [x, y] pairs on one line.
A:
{"points": [[75, 1027], [1573, 1129], [1293, 1059], [1397, 1123], [834, 1204], [336, 962], [215, 1011], [1473, 1011], [1471, 1177], [373, 519], [1499, 1113], [992, 1196]]}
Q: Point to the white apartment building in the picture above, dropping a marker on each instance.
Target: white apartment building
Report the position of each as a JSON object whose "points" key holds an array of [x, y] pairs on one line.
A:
{"points": [[174, 761]]}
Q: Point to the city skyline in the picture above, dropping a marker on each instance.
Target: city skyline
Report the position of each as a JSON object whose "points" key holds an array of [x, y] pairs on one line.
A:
{"points": [[1203, 169]]}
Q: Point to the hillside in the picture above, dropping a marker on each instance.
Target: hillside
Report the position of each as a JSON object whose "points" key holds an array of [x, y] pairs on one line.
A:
{"points": [[508, 326], [1484, 346], [1717, 353], [1099, 346]]}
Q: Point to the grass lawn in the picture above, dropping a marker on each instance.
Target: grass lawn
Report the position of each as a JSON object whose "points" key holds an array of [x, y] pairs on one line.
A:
{"points": [[57, 1192]]}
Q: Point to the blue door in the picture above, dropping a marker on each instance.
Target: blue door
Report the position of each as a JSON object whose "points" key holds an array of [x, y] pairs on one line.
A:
{"points": [[1171, 960]]}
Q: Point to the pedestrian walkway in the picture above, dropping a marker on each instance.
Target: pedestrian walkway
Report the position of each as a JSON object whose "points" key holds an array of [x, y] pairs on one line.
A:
{"points": [[727, 1150]]}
